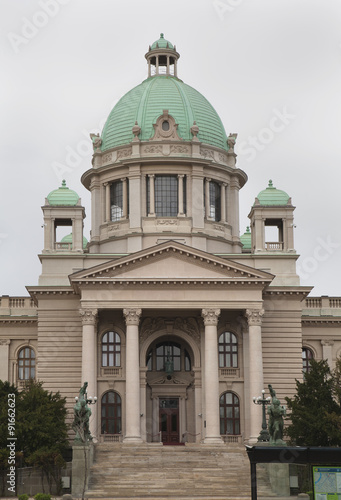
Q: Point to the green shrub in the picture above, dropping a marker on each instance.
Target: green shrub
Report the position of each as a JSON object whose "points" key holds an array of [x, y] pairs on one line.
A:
{"points": [[311, 495], [23, 497], [42, 496]]}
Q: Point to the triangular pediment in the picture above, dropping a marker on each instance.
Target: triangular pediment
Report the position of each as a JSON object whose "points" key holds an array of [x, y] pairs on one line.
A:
{"points": [[173, 262]]}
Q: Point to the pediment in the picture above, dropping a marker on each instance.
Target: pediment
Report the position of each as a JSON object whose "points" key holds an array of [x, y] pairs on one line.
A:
{"points": [[172, 262]]}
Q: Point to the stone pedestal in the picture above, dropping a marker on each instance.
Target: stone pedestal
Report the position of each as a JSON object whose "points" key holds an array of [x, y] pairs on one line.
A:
{"points": [[82, 460]]}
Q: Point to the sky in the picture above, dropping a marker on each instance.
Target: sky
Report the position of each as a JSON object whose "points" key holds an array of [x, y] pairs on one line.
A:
{"points": [[271, 69]]}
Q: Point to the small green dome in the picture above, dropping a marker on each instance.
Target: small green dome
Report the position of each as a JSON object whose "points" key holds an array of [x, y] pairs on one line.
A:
{"points": [[68, 239], [245, 239], [161, 43], [63, 196], [272, 196], [146, 102]]}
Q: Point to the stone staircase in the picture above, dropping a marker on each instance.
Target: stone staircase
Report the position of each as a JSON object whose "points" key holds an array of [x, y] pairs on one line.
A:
{"points": [[171, 472]]}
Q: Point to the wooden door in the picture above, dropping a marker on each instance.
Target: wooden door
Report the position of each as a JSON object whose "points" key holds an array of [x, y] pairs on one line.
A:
{"points": [[169, 420]]}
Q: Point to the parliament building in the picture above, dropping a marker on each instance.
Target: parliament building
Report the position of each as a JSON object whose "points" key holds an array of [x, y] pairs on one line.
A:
{"points": [[174, 319]]}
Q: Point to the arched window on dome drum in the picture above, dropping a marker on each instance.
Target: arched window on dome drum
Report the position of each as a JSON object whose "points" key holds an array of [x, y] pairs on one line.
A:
{"points": [[166, 189], [117, 201], [307, 356], [215, 204], [228, 350], [229, 414], [111, 349], [26, 363], [111, 413]]}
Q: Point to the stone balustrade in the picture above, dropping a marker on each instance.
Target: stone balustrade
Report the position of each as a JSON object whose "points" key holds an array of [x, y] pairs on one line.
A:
{"points": [[17, 306]]}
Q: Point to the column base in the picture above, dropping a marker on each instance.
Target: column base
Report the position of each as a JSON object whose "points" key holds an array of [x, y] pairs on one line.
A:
{"points": [[213, 440], [132, 440]]}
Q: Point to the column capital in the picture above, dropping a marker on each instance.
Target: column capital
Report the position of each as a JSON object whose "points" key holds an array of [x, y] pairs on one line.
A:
{"points": [[211, 316], [123, 179], [88, 316], [181, 176], [208, 179], [254, 316], [132, 316], [151, 176], [327, 342], [235, 183], [5, 342]]}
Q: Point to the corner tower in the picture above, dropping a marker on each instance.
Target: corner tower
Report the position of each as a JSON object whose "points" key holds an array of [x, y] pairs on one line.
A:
{"points": [[164, 168]]}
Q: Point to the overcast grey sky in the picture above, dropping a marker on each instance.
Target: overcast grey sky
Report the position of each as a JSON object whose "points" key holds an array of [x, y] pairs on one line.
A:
{"points": [[271, 69]]}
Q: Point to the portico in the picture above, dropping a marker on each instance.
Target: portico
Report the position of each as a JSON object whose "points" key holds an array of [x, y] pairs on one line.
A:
{"points": [[159, 316]]}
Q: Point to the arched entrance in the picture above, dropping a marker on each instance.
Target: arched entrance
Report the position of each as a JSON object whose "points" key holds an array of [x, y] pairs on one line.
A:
{"points": [[170, 391]]}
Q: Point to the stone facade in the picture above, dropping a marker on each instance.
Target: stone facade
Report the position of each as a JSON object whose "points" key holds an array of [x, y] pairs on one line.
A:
{"points": [[172, 325]]}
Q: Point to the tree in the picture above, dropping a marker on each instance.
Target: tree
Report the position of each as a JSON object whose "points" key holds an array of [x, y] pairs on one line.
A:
{"points": [[314, 409]]}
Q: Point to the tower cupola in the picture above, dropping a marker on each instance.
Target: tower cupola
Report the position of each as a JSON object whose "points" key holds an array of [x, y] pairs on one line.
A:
{"points": [[162, 58]]}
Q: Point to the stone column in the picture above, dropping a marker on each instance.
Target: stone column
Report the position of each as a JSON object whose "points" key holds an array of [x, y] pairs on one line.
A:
{"points": [[327, 351], [125, 198], [234, 209], [167, 71], [175, 67], [181, 195], [4, 359], [157, 65], [133, 407], [149, 69], [207, 198], [211, 376], [151, 195], [89, 364], [107, 202], [223, 202], [254, 318]]}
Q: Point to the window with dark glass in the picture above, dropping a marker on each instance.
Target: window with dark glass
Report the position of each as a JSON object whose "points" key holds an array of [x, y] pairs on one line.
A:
{"points": [[307, 356], [111, 416], [228, 350], [166, 195], [116, 200], [168, 352], [229, 414], [26, 363], [165, 125], [111, 349], [215, 205]]}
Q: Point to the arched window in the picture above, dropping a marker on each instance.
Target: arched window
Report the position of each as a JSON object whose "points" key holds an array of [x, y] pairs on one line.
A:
{"points": [[26, 363], [228, 350], [111, 349], [307, 356], [111, 416], [117, 200], [168, 351], [229, 414], [215, 206]]}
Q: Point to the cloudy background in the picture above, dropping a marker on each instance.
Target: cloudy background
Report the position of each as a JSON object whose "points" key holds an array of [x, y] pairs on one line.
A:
{"points": [[65, 63]]}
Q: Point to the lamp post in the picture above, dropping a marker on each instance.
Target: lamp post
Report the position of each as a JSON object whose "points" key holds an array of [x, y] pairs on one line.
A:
{"points": [[262, 400]]}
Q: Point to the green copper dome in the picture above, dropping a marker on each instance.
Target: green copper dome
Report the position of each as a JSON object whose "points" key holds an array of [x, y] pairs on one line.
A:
{"points": [[245, 239], [272, 196], [146, 102], [68, 239], [63, 196], [161, 43]]}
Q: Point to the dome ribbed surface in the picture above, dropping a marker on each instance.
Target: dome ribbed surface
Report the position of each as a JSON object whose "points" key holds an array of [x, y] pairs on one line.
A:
{"points": [[146, 102], [161, 43], [63, 196], [245, 239], [273, 196]]}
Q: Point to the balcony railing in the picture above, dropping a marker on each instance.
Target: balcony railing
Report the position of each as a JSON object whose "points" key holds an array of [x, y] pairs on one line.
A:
{"points": [[17, 306], [274, 245], [323, 302]]}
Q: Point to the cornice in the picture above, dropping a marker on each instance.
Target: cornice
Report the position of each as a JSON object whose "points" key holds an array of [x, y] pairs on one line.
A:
{"points": [[321, 321], [287, 291], [18, 319], [40, 291]]}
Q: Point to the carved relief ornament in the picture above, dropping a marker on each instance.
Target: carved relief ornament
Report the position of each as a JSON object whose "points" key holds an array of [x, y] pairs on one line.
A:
{"points": [[211, 316], [88, 316], [132, 316], [188, 325], [254, 316]]}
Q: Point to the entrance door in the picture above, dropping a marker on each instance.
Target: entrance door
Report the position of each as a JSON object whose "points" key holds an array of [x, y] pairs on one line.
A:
{"points": [[169, 420]]}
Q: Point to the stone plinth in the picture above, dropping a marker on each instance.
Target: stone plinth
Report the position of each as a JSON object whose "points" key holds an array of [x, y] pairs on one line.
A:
{"points": [[82, 460]]}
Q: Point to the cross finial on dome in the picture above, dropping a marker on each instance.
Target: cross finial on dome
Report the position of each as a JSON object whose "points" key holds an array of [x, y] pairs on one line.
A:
{"points": [[161, 35], [63, 183], [270, 184]]}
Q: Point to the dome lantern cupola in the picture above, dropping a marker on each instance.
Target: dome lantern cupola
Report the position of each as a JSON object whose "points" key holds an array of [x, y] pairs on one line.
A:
{"points": [[162, 58]]}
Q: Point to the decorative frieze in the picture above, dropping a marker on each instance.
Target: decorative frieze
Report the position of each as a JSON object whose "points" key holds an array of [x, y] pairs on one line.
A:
{"points": [[88, 316], [122, 153], [152, 149], [186, 325], [167, 222], [107, 158], [254, 316], [132, 316], [180, 149], [207, 153], [211, 316]]}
